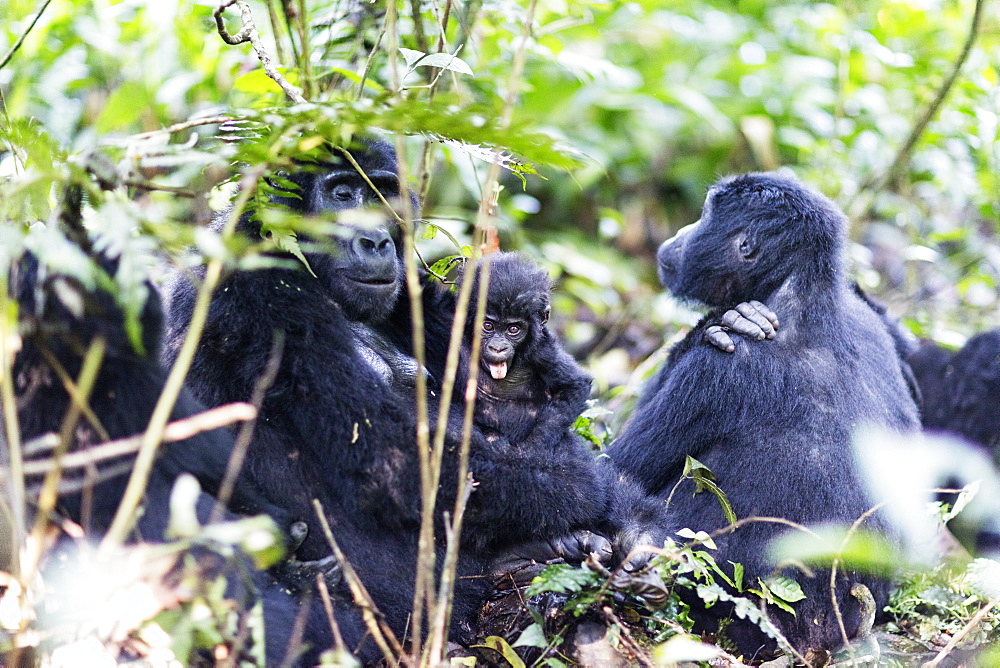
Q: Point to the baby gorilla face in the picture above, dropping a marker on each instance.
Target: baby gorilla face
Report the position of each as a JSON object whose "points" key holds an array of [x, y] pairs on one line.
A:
{"points": [[501, 339]]}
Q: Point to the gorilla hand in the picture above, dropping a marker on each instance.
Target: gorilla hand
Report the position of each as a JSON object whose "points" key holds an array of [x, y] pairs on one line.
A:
{"points": [[751, 319]]}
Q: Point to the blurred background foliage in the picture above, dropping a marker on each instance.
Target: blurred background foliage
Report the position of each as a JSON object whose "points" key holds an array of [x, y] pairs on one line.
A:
{"points": [[627, 110]]}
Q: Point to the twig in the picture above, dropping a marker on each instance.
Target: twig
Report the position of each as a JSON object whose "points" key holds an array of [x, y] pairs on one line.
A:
{"points": [[175, 380], [903, 156], [248, 33], [324, 594], [965, 630], [641, 656], [178, 430], [49, 495], [833, 574], [242, 443], [180, 127], [294, 647], [11, 430], [381, 633], [20, 40]]}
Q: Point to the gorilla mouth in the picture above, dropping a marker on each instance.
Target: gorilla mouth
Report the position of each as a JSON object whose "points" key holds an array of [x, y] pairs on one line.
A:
{"points": [[374, 281], [498, 371]]}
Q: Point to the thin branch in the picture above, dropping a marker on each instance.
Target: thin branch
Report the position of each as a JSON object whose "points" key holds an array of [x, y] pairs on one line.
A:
{"points": [[324, 594], [381, 633], [180, 127], [242, 443], [175, 380], [248, 33], [957, 638], [179, 430], [20, 40], [894, 173]]}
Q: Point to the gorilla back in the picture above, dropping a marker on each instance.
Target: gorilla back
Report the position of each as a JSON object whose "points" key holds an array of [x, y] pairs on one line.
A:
{"points": [[774, 420]]}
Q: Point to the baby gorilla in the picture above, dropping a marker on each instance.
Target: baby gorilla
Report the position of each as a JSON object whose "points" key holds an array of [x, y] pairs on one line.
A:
{"points": [[530, 392]]}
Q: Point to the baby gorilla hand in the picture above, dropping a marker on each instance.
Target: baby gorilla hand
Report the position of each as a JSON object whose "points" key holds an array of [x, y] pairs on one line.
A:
{"points": [[751, 319]]}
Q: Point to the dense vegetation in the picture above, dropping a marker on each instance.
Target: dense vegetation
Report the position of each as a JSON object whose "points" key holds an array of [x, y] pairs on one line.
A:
{"points": [[594, 127]]}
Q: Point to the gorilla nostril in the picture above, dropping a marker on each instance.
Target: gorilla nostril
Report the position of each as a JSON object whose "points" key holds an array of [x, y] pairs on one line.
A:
{"points": [[366, 244]]}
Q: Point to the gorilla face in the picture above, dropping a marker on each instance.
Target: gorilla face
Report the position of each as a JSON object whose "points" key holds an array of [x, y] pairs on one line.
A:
{"points": [[364, 270]]}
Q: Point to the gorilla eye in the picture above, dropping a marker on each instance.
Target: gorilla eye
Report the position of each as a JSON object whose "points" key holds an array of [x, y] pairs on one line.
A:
{"points": [[747, 249], [514, 330], [487, 326]]}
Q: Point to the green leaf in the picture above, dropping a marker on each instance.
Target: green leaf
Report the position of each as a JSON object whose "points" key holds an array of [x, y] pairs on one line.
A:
{"points": [[562, 579], [500, 645], [704, 481], [785, 588], [533, 636], [445, 61], [412, 56]]}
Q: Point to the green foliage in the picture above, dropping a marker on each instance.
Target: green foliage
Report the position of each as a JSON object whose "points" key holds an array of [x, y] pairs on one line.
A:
{"points": [[928, 604]]}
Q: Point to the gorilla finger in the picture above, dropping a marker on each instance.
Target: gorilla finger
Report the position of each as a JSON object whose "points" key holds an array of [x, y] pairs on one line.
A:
{"points": [[718, 337], [750, 312], [297, 535], [765, 311]]}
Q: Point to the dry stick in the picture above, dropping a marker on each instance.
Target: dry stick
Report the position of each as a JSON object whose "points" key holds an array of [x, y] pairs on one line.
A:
{"points": [[305, 66], [276, 29], [20, 40], [423, 589], [381, 633], [49, 495], [324, 594], [294, 647], [242, 443], [486, 230], [903, 156], [248, 33], [75, 395], [178, 430], [833, 574], [965, 630], [12, 432], [179, 127], [175, 379], [642, 656], [438, 636]]}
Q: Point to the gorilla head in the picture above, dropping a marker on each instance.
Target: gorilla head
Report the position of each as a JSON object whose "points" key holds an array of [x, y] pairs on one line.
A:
{"points": [[718, 260], [363, 270]]}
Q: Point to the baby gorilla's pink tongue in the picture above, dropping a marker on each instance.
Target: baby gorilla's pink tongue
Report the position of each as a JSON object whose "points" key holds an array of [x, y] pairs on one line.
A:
{"points": [[498, 371]]}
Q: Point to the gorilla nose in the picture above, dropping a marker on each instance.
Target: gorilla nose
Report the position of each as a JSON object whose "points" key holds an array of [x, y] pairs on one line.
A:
{"points": [[374, 243]]}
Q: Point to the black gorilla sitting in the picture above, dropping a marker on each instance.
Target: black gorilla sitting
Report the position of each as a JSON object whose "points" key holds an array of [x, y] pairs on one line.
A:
{"points": [[961, 390], [530, 392], [55, 338], [338, 423], [773, 420]]}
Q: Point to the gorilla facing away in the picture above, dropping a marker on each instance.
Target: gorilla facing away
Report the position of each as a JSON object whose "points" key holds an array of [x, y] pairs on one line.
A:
{"points": [[772, 420], [338, 423]]}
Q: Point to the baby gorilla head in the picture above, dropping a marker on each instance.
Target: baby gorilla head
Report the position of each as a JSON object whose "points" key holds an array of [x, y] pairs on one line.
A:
{"points": [[755, 231], [517, 308]]}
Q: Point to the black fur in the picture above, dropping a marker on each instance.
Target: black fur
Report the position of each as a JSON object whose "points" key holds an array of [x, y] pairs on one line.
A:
{"points": [[125, 392], [538, 398], [339, 422], [773, 420], [961, 389]]}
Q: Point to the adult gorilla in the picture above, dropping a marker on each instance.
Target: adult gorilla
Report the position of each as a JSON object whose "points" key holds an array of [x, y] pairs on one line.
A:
{"points": [[773, 420], [338, 423]]}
